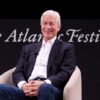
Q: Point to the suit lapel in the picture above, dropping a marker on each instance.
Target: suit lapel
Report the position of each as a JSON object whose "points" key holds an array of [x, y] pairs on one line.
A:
{"points": [[34, 53], [37, 48], [53, 53]]}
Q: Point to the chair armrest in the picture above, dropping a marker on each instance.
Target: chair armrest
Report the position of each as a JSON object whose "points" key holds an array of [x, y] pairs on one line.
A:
{"points": [[6, 77], [73, 88]]}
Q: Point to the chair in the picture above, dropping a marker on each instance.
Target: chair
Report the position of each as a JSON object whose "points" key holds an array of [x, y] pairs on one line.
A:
{"points": [[6, 77], [72, 90]]}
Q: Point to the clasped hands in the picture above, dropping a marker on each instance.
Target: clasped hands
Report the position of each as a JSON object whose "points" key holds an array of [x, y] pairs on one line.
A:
{"points": [[31, 87]]}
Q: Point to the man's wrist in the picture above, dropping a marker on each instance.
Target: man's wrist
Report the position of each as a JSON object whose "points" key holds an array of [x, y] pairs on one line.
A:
{"points": [[21, 83]]}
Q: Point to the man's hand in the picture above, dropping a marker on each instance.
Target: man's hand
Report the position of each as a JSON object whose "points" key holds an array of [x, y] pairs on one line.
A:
{"points": [[31, 88]]}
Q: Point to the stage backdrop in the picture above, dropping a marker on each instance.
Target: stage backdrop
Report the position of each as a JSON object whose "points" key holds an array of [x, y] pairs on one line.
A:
{"points": [[84, 34]]}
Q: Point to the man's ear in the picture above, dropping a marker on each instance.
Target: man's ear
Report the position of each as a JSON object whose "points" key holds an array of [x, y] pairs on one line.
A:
{"points": [[59, 28]]}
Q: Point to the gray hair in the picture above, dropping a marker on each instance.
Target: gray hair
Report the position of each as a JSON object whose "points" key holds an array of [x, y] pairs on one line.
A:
{"points": [[55, 13]]}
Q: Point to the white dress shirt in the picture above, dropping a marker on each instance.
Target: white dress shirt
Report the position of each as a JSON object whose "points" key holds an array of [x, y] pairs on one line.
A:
{"points": [[40, 67]]}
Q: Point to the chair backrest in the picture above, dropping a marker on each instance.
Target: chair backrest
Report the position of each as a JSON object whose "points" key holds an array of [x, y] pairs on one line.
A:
{"points": [[73, 88], [6, 77]]}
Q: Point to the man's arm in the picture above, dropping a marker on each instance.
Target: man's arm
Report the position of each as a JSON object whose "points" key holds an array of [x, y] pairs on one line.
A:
{"points": [[67, 66], [18, 75]]}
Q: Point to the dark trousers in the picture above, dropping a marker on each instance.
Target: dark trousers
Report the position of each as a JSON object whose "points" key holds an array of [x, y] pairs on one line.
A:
{"points": [[45, 92]]}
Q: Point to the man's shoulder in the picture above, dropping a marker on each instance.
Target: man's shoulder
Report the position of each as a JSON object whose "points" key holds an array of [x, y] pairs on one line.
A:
{"points": [[31, 45]]}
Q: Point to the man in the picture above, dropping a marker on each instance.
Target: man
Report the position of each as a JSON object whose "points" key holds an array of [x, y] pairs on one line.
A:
{"points": [[43, 68]]}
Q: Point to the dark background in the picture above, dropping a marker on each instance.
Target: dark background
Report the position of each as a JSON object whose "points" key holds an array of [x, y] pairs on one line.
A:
{"points": [[87, 56]]}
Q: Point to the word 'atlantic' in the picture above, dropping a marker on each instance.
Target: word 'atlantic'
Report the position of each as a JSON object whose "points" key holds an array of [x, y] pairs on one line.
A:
{"points": [[72, 34]]}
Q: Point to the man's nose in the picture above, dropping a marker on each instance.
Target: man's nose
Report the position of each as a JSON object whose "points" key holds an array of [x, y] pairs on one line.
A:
{"points": [[48, 26]]}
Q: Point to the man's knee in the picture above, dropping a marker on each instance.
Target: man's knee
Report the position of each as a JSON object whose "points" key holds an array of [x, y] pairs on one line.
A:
{"points": [[46, 88], [3, 86], [48, 91], [11, 92]]}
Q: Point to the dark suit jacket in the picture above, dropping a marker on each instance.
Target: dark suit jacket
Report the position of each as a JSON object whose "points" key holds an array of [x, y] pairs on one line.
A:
{"points": [[60, 65]]}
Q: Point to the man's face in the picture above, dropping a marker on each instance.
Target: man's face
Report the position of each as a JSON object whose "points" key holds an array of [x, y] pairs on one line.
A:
{"points": [[49, 26]]}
